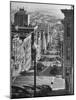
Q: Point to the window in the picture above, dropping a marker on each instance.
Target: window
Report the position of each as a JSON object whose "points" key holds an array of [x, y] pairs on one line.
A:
{"points": [[68, 30], [68, 53]]}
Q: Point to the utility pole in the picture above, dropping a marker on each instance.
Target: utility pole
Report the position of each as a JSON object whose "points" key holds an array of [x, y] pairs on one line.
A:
{"points": [[33, 53]]}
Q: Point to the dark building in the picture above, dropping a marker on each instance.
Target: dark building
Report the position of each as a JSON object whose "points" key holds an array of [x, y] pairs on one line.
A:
{"points": [[68, 49], [21, 18]]}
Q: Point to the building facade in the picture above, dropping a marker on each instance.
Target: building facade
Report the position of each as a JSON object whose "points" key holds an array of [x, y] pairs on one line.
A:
{"points": [[21, 18], [68, 48], [21, 54], [21, 43]]}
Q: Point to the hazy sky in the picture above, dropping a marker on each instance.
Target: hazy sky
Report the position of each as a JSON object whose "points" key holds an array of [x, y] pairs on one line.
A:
{"points": [[53, 10]]}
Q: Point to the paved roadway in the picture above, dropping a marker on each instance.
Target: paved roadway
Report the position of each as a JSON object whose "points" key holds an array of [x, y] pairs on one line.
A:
{"points": [[59, 83], [42, 78]]}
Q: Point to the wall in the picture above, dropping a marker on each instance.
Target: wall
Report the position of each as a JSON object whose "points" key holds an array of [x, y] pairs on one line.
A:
{"points": [[68, 50]]}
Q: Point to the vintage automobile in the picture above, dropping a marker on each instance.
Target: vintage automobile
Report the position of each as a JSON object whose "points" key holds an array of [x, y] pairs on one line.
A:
{"points": [[28, 91], [19, 92]]}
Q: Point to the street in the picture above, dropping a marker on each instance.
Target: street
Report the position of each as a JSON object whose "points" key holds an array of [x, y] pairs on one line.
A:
{"points": [[43, 77]]}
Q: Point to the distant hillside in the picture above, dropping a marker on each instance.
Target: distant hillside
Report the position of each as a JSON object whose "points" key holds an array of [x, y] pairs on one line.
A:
{"points": [[42, 17], [37, 17]]}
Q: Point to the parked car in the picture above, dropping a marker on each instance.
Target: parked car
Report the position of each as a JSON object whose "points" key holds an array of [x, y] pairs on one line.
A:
{"points": [[44, 90], [28, 91], [20, 92]]}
